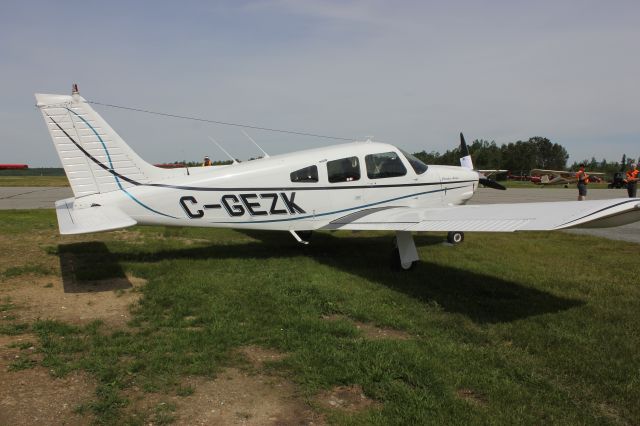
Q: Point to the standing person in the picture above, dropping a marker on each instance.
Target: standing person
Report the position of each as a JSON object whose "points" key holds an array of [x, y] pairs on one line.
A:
{"points": [[631, 179], [583, 180], [206, 162]]}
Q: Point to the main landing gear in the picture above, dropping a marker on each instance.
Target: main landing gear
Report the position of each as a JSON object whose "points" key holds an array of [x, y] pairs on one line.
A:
{"points": [[404, 255], [455, 237], [303, 237]]}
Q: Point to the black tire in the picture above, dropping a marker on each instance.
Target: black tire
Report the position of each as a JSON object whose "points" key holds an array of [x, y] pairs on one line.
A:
{"points": [[455, 237]]}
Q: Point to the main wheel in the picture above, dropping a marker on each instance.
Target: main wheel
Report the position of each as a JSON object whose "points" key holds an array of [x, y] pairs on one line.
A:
{"points": [[455, 237], [397, 264]]}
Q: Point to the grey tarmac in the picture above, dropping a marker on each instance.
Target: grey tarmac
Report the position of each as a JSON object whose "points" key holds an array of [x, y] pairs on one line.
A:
{"points": [[32, 197], [45, 197]]}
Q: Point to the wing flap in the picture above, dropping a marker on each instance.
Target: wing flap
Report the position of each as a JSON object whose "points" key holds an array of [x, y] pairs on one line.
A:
{"points": [[90, 219], [496, 217]]}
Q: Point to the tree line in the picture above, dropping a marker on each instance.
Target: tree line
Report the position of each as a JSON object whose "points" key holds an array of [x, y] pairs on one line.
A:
{"points": [[603, 165], [519, 157]]}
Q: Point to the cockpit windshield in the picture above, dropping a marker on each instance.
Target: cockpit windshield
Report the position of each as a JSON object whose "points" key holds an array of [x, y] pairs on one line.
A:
{"points": [[418, 166]]}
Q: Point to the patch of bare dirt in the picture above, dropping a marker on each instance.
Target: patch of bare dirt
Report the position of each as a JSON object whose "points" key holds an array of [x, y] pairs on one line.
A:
{"points": [[471, 396], [370, 331], [33, 396], [127, 235], [192, 241], [233, 398], [257, 355], [611, 413], [348, 398], [46, 297]]}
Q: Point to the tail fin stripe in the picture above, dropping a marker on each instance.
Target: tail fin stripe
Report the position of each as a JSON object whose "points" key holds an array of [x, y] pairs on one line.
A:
{"points": [[113, 172], [103, 146], [92, 158]]}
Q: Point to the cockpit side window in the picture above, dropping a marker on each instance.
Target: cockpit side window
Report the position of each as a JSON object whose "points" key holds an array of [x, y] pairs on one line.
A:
{"points": [[418, 166], [343, 170], [306, 175], [384, 165]]}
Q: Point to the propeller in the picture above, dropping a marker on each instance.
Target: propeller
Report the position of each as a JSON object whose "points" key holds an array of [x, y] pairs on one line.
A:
{"points": [[490, 183], [465, 161]]}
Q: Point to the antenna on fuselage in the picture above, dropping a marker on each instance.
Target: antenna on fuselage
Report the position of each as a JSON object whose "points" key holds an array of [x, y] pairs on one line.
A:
{"points": [[223, 150], [255, 143]]}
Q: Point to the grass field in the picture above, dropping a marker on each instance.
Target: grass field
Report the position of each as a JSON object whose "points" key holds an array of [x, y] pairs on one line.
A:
{"points": [[505, 329], [33, 181]]}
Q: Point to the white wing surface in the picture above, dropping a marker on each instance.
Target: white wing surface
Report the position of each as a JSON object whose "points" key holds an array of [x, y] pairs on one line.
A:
{"points": [[496, 217]]}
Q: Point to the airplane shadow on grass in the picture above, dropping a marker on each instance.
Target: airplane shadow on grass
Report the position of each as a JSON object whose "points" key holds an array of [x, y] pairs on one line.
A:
{"points": [[90, 267], [482, 298]]}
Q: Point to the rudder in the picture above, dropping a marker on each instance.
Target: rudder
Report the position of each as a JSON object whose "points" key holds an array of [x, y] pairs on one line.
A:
{"points": [[95, 158]]}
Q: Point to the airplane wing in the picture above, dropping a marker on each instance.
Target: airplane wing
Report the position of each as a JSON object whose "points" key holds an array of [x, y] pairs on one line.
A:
{"points": [[495, 217], [489, 173], [563, 173]]}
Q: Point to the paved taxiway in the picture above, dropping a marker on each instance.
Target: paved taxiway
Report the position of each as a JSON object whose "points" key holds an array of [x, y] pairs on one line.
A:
{"points": [[45, 197], [32, 197]]}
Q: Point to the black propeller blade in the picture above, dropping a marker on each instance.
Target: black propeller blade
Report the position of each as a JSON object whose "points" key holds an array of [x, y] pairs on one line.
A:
{"points": [[490, 183], [464, 150]]}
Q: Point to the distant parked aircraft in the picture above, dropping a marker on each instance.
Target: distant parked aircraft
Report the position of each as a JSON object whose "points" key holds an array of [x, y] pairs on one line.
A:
{"points": [[489, 173], [13, 166], [561, 177]]}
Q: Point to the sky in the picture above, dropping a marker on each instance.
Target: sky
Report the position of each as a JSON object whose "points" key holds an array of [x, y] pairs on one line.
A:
{"points": [[411, 73]]}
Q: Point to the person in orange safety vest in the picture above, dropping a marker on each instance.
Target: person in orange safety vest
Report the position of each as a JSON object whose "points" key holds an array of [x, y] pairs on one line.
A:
{"points": [[631, 179], [583, 180]]}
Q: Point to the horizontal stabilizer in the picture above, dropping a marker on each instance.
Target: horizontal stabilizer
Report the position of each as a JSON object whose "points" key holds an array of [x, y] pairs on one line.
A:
{"points": [[90, 219], [497, 217]]}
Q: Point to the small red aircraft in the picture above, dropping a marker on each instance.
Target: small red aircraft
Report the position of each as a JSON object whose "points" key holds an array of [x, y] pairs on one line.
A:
{"points": [[523, 178], [13, 166]]}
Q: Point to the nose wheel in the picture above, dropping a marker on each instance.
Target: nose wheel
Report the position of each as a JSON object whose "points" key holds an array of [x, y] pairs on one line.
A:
{"points": [[455, 237]]}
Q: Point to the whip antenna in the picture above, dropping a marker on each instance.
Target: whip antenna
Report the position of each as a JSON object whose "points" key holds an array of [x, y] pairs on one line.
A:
{"points": [[255, 143], [223, 150]]}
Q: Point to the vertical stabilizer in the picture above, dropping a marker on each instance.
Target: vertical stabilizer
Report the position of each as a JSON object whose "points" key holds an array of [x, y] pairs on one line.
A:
{"points": [[94, 157]]}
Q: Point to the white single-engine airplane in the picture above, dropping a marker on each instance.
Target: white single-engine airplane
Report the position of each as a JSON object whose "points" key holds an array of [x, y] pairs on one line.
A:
{"points": [[354, 186]]}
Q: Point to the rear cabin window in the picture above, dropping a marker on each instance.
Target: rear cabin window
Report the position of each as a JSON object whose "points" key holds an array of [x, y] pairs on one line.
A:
{"points": [[384, 165], [308, 175], [418, 166], [343, 170]]}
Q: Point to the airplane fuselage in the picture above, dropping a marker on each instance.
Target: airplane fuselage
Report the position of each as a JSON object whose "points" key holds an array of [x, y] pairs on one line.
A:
{"points": [[298, 191]]}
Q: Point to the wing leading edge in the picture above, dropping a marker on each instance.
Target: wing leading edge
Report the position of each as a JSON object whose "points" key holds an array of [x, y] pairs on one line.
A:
{"points": [[496, 217]]}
